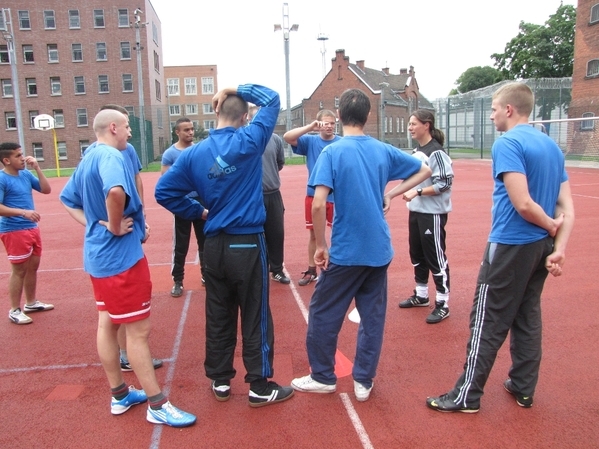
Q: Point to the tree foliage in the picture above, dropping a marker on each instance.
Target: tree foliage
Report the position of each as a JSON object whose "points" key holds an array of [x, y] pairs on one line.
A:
{"points": [[476, 78], [541, 51]]}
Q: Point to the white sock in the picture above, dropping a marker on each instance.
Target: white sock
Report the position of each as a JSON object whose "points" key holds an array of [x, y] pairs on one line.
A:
{"points": [[422, 291]]}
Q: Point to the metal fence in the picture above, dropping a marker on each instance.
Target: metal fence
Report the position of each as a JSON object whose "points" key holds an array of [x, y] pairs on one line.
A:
{"points": [[469, 132]]}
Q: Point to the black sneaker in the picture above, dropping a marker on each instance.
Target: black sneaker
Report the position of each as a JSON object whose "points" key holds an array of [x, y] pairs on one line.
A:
{"points": [[522, 401], [308, 276], [280, 277], [177, 289], [272, 394], [445, 404], [438, 314], [414, 301], [126, 366], [221, 390]]}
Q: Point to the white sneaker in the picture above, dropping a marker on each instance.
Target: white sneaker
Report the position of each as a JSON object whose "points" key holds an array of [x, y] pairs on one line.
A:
{"points": [[362, 393], [38, 306], [309, 385], [18, 317]]}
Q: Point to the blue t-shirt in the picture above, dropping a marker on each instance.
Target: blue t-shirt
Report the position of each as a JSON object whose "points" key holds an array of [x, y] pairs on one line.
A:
{"points": [[131, 158], [311, 145], [357, 169], [226, 171], [103, 168], [169, 157], [524, 149], [15, 191]]}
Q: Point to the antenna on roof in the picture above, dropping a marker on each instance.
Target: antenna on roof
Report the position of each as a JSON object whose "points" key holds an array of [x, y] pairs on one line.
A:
{"points": [[323, 38]]}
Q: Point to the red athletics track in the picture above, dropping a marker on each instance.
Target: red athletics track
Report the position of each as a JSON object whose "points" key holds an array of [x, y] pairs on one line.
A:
{"points": [[54, 393]]}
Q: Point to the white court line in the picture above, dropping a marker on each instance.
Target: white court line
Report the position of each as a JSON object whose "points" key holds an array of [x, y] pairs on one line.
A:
{"points": [[166, 389], [353, 415], [586, 196]]}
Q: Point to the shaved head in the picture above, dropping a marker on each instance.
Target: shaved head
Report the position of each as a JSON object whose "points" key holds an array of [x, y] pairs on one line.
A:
{"points": [[104, 118]]}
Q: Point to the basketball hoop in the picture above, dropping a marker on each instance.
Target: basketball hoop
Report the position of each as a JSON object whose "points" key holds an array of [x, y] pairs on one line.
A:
{"points": [[43, 122]]}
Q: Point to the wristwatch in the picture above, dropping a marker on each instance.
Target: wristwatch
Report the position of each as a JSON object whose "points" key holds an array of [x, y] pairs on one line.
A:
{"points": [[419, 191]]}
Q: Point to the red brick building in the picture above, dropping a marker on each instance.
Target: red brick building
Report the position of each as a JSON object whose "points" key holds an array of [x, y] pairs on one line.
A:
{"points": [[393, 97], [72, 58], [190, 90], [585, 77]]}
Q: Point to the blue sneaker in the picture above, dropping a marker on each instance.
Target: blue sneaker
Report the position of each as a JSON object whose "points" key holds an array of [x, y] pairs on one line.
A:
{"points": [[133, 398], [171, 416]]}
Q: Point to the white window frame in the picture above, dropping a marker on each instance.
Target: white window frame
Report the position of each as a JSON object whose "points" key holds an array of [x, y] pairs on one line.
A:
{"points": [[28, 57], [52, 53], [99, 50], [125, 46], [593, 65], [587, 125], [127, 79], [594, 13], [32, 115], [103, 81], [173, 87], [207, 85], [61, 148], [209, 124], [58, 115], [77, 50], [174, 109], [207, 109], [7, 91], [79, 81], [123, 18], [24, 20], [82, 119], [74, 19], [37, 150], [10, 118], [191, 86], [49, 19], [99, 21], [31, 83], [158, 89], [4, 56], [83, 144], [191, 109], [55, 81]]}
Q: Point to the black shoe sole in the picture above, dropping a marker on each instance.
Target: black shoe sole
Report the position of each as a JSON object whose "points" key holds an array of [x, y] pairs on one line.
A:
{"points": [[265, 403], [515, 396]]}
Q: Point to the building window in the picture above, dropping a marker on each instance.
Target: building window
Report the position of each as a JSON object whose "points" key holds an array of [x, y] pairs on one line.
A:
{"points": [[123, 17], [101, 54], [103, 83], [125, 50], [98, 18], [32, 116], [74, 20], [595, 13], [175, 109], [130, 110], [191, 109], [79, 85], [38, 151], [196, 124], [81, 117], [209, 124], [24, 22], [58, 118], [52, 53], [11, 120], [321, 105], [6, 88], [587, 125], [336, 102], [49, 20], [4, 58], [2, 24], [31, 87], [402, 125], [158, 90], [191, 86], [155, 33], [127, 82], [55, 88], [27, 53], [173, 86], [207, 86], [83, 144], [593, 67], [207, 108], [159, 119], [62, 151], [77, 50], [385, 125], [156, 62]]}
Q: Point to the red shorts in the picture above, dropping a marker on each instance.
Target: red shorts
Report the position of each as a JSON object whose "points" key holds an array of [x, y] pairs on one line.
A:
{"points": [[126, 296], [308, 212], [21, 245]]}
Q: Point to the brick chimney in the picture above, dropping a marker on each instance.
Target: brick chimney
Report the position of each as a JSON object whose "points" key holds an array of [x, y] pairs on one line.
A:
{"points": [[403, 71], [385, 70], [360, 64]]}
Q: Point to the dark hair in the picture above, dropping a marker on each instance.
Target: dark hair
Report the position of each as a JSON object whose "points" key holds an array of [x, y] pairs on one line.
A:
{"points": [[424, 116], [233, 107], [115, 107], [181, 120], [354, 107], [6, 150]]}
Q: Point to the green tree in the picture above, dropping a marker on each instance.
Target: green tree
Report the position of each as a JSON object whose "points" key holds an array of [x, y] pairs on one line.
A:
{"points": [[541, 51], [475, 78]]}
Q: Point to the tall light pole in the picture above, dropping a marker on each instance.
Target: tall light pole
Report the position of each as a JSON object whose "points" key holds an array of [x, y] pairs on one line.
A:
{"points": [[10, 43], [382, 131], [323, 38], [140, 87], [285, 28]]}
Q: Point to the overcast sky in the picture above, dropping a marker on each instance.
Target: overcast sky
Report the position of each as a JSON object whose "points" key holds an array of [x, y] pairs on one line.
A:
{"points": [[440, 38]]}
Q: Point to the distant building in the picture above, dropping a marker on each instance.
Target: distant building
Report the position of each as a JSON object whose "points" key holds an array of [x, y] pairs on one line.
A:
{"points": [[585, 78], [398, 93], [71, 59], [190, 90]]}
